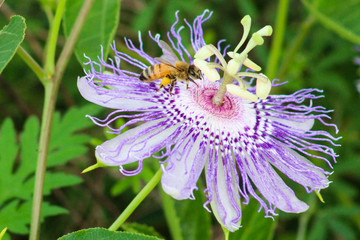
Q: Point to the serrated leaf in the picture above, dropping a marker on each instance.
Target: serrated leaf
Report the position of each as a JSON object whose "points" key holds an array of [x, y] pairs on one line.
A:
{"points": [[10, 38], [104, 234], [8, 151], [73, 120], [17, 216], [59, 180], [342, 18], [64, 154], [19, 164], [99, 28], [255, 225]]}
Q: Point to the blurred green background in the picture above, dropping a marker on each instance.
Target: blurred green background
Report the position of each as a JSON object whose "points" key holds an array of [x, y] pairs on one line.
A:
{"points": [[313, 54]]}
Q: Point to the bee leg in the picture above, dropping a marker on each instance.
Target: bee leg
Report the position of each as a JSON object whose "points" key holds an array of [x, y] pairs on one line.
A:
{"points": [[160, 87], [172, 86]]}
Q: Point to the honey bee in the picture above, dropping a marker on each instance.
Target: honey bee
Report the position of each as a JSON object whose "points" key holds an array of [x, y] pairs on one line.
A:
{"points": [[170, 70]]}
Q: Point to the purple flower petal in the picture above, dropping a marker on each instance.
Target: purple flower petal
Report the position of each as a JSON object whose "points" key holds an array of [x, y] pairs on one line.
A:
{"points": [[187, 161], [135, 144]]}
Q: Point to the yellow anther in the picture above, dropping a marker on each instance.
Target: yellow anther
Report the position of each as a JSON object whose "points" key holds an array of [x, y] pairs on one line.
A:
{"points": [[265, 31], [204, 53], [241, 92], [233, 66], [263, 86], [250, 64], [258, 39], [210, 73]]}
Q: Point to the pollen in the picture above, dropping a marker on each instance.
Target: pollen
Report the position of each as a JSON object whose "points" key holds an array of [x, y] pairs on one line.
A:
{"points": [[165, 81]]}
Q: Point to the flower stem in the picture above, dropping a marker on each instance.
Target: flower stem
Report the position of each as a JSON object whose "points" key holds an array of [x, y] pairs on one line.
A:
{"points": [[51, 91], [46, 122], [171, 216], [51, 44], [136, 201], [279, 32], [305, 217], [33, 65]]}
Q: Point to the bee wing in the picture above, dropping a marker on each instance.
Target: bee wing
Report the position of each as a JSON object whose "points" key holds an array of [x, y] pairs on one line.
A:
{"points": [[168, 57]]}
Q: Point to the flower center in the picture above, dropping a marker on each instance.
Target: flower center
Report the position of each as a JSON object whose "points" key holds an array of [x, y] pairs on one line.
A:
{"points": [[203, 97]]}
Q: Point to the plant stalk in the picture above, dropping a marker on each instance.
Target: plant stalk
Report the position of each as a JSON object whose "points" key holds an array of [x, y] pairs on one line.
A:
{"points": [[51, 91], [136, 201]]}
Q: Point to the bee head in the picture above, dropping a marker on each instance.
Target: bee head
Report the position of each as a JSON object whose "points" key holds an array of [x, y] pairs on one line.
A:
{"points": [[194, 72]]}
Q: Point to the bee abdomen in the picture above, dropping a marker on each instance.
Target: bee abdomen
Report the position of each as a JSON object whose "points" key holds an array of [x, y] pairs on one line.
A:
{"points": [[152, 73]]}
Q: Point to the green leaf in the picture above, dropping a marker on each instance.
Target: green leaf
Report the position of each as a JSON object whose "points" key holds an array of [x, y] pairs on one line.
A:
{"points": [[18, 164], [341, 17], [254, 225], [104, 234], [140, 228], [17, 216], [59, 180], [10, 38], [99, 28]]}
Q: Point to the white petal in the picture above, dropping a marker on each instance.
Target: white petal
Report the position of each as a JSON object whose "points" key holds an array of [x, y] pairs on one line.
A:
{"points": [[183, 169], [303, 125], [272, 187], [110, 99], [135, 144], [226, 202], [306, 173]]}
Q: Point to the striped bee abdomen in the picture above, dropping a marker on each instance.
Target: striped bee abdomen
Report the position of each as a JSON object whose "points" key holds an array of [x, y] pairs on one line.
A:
{"points": [[155, 72]]}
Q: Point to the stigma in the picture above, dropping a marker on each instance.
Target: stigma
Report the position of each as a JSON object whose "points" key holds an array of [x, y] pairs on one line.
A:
{"points": [[233, 79]]}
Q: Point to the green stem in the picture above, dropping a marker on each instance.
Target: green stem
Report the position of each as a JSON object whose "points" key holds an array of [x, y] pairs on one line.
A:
{"points": [[51, 44], [46, 122], [32, 64], [279, 32], [136, 201], [51, 91], [226, 233], [172, 218], [305, 217], [71, 41], [295, 45]]}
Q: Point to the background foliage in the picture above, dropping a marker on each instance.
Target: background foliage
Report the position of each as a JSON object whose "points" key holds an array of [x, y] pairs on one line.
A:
{"points": [[318, 51]]}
